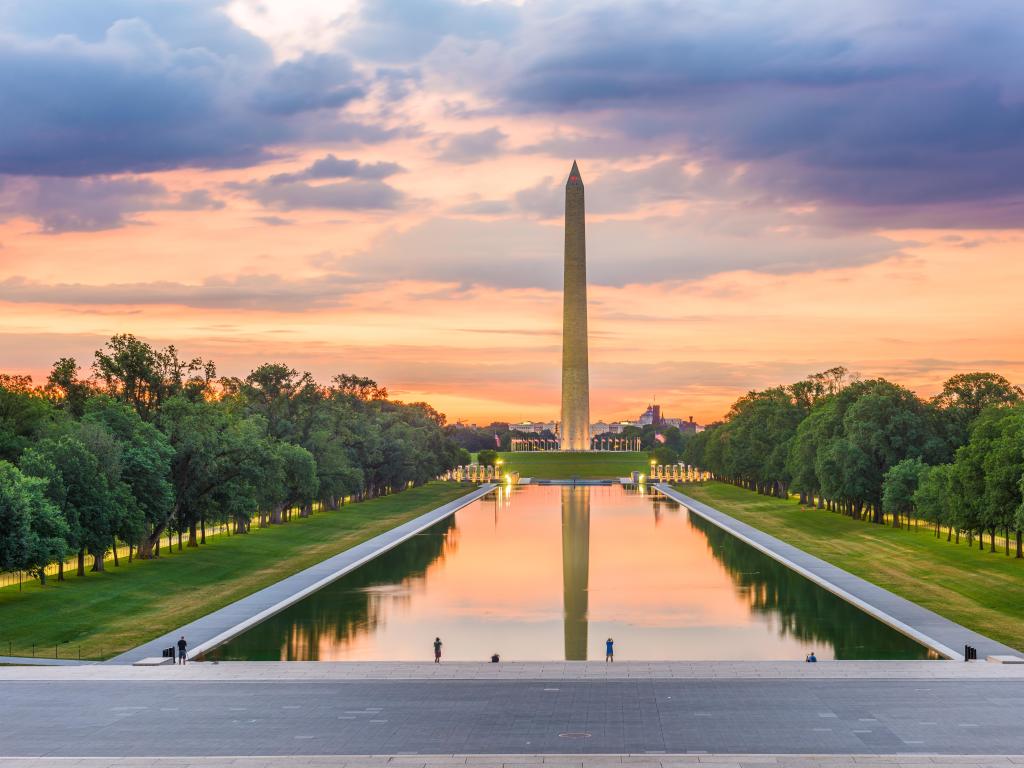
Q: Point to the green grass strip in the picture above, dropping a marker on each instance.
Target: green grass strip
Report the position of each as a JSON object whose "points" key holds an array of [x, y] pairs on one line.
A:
{"points": [[591, 465]]}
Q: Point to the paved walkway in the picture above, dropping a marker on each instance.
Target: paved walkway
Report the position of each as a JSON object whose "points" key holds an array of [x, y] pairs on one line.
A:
{"points": [[644, 760], [472, 717], [268, 671], [944, 636], [217, 627]]}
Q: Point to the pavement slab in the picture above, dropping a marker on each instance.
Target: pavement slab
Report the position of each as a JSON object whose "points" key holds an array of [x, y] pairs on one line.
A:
{"points": [[482, 720]]}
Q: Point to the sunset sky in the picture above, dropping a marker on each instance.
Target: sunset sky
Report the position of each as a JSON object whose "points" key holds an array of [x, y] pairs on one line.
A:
{"points": [[773, 188]]}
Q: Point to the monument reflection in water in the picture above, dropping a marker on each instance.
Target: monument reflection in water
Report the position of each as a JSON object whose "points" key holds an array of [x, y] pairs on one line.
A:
{"points": [[575, 568], [550, 572]]}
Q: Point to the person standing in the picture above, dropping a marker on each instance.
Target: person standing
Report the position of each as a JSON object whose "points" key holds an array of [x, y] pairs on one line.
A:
{"points": [[182, 650], [437, 650], [609, 650]]}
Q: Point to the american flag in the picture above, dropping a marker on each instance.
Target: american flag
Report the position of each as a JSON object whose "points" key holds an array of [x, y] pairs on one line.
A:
{"points": [[660, 438], [497, 440]]}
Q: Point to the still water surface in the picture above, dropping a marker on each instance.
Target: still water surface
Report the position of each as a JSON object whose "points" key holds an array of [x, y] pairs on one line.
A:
{"points": [[550, 572]]}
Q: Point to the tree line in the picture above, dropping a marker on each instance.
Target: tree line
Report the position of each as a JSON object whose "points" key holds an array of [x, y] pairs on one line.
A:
{"points": [[876, 451], [152, 445]]}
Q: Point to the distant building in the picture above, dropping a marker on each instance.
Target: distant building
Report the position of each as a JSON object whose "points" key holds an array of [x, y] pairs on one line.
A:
{"points": [[651, 416], [617, 427], [534, 427], [683, 425]]}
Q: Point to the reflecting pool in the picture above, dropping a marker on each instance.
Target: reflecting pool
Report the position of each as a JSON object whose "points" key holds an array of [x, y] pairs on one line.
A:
{"points": [[551, 572]]}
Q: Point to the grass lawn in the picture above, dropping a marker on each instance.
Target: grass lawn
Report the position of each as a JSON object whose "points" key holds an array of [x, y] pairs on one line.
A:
{"points": [[566, 465], [980, 590], [106, 614]]}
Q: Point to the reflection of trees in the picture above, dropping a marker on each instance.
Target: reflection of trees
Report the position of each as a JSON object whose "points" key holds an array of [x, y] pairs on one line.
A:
{"points": [[661, 504], [350, 607], [803, 609]]}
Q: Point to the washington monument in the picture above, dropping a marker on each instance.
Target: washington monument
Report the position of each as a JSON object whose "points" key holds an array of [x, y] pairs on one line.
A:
{"points": [[575, 430]]}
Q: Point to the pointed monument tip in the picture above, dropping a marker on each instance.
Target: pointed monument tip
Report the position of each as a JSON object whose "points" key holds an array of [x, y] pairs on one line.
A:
{"points": [[574, 175]]}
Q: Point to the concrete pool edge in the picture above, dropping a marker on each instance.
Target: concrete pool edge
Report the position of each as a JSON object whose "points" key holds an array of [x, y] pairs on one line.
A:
{"points": [[219, 626], [649, 759], [512, 671], [858, 592]]}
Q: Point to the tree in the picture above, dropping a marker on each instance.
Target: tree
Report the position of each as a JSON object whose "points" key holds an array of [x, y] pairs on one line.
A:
{"points": [[883, 426], [133, 371], [145, 464], [24, 415], [214, 451], [986, 474], [899, 485], [147, 447], [282, 396], [487, 457], [65, 389], [932, 497], [359, 387], [301, 482], [802, 461], [32, 532], [664, 456], [966, 395], [80, 489], [1002, 462], [674, 439], [820, 386], [128, 368]]}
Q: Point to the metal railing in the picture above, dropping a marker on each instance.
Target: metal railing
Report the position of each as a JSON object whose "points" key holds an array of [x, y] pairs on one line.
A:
{"points": [[16, 578]]}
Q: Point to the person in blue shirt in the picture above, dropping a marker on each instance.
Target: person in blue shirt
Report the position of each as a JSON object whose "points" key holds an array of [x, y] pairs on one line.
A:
{"points": [[811, 656], [609, 650]]}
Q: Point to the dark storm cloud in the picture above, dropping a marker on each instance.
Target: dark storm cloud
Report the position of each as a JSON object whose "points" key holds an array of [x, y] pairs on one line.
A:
{"points": [[331, 167], [361, 187], [353, 195], [60, 204], [406, 30], [115, 86], [313, 81], [892, 107]]}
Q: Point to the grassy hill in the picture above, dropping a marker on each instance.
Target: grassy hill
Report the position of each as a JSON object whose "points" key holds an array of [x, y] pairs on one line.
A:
{"points": [[567, 465]]}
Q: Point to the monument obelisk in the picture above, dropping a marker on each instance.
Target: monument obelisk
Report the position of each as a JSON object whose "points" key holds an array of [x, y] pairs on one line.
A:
{"points": [[574, 434]]}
